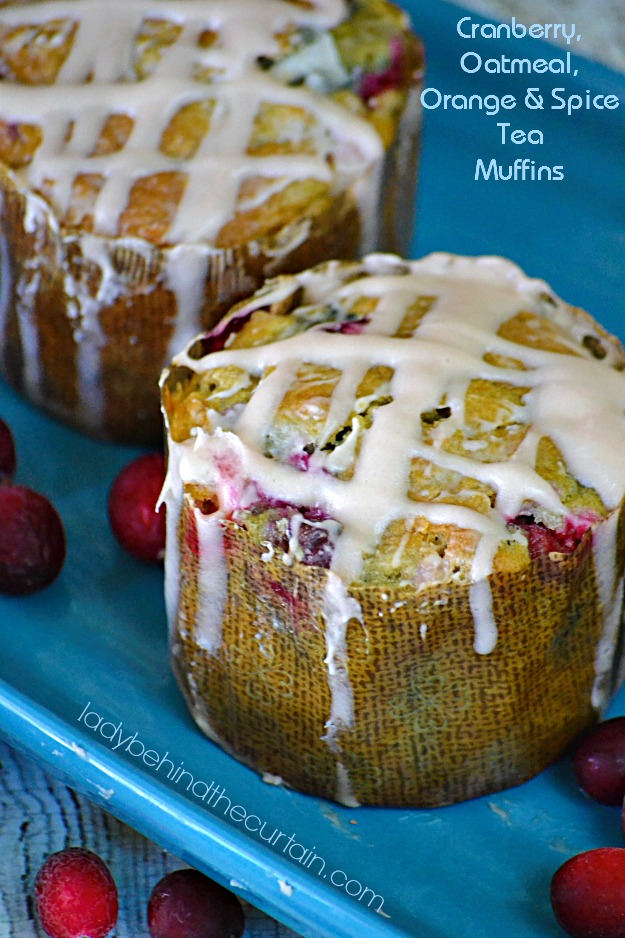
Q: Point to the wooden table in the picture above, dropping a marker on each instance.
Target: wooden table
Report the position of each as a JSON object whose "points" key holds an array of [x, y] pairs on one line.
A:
{"points": [[39, 815]]}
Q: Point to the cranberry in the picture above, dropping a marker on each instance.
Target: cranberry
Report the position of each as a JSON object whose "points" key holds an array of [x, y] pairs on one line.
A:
{"points": [[316, 545], [75, 895], [542, 540], [374, 83], [32, 540], [132, 507], [217, 338], [186, 904], [8, 458], [599, 762], [300, 461], [588, 894]]}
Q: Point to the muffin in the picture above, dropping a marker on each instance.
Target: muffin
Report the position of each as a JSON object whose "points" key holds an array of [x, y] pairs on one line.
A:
{"points": [[151, 180], [395, 549]]}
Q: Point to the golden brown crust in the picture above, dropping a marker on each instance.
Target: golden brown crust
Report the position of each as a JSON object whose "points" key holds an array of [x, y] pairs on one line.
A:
{"points": [[33, 54]]}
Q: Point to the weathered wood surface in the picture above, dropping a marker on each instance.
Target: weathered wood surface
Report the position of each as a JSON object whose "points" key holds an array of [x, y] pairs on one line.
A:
{"points": [[39, 815]]}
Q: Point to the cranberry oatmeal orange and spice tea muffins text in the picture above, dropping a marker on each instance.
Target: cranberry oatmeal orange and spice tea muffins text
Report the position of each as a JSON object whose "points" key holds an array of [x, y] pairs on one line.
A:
{"points": [[160, 158], [395, 552]]}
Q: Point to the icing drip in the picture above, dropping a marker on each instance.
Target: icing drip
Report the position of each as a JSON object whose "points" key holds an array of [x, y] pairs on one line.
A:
{"points": [[344, 791], [171, 495], [186, 272], [611, 597], [103, 72], [212, 582], [481, 601], [569, 397], [339, 610]]}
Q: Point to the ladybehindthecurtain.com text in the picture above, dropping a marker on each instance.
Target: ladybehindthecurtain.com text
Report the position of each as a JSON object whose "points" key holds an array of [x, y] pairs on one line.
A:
{"points": [[215, 797]]}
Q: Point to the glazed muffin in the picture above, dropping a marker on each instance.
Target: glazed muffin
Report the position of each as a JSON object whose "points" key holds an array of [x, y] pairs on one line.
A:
{"points": [[149, 181], [395, 546]]}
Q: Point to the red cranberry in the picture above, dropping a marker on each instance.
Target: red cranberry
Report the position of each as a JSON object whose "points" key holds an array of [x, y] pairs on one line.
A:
{"points": [[542, 540], [375, 83], [8, 457], [217, 339], [186, 904], [132, 507], [316, 545], [32, 540], [75, 895], [588, 894], [599, 762]]}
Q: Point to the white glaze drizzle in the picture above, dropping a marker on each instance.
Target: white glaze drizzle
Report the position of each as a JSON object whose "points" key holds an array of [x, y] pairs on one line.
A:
{"points": [[185, 275], [481, 602], [214, 173], [212, 582], [611, 598], [339, 609], [344, 790]]}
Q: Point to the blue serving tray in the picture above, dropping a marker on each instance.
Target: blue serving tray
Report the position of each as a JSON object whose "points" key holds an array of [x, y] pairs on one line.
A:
{"points": [[95, 642]]}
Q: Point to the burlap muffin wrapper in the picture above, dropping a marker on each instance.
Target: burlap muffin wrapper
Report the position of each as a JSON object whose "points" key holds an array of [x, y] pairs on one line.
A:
{"points": [[87, 323], [433, 721]]}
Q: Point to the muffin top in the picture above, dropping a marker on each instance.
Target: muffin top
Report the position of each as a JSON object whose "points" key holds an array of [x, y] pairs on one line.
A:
{"points": [[218, 121], [404, 422]]}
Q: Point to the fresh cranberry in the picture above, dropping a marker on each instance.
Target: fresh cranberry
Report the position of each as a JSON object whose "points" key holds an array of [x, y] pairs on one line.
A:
{"points": [[75, 895], [32, 540], [8, 457], [187, 904], [132, 507], [599, 762], [588, 894]]}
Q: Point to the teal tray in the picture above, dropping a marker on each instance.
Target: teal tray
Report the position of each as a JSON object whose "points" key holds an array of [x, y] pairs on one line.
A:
{"points": [[97, 638]]}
